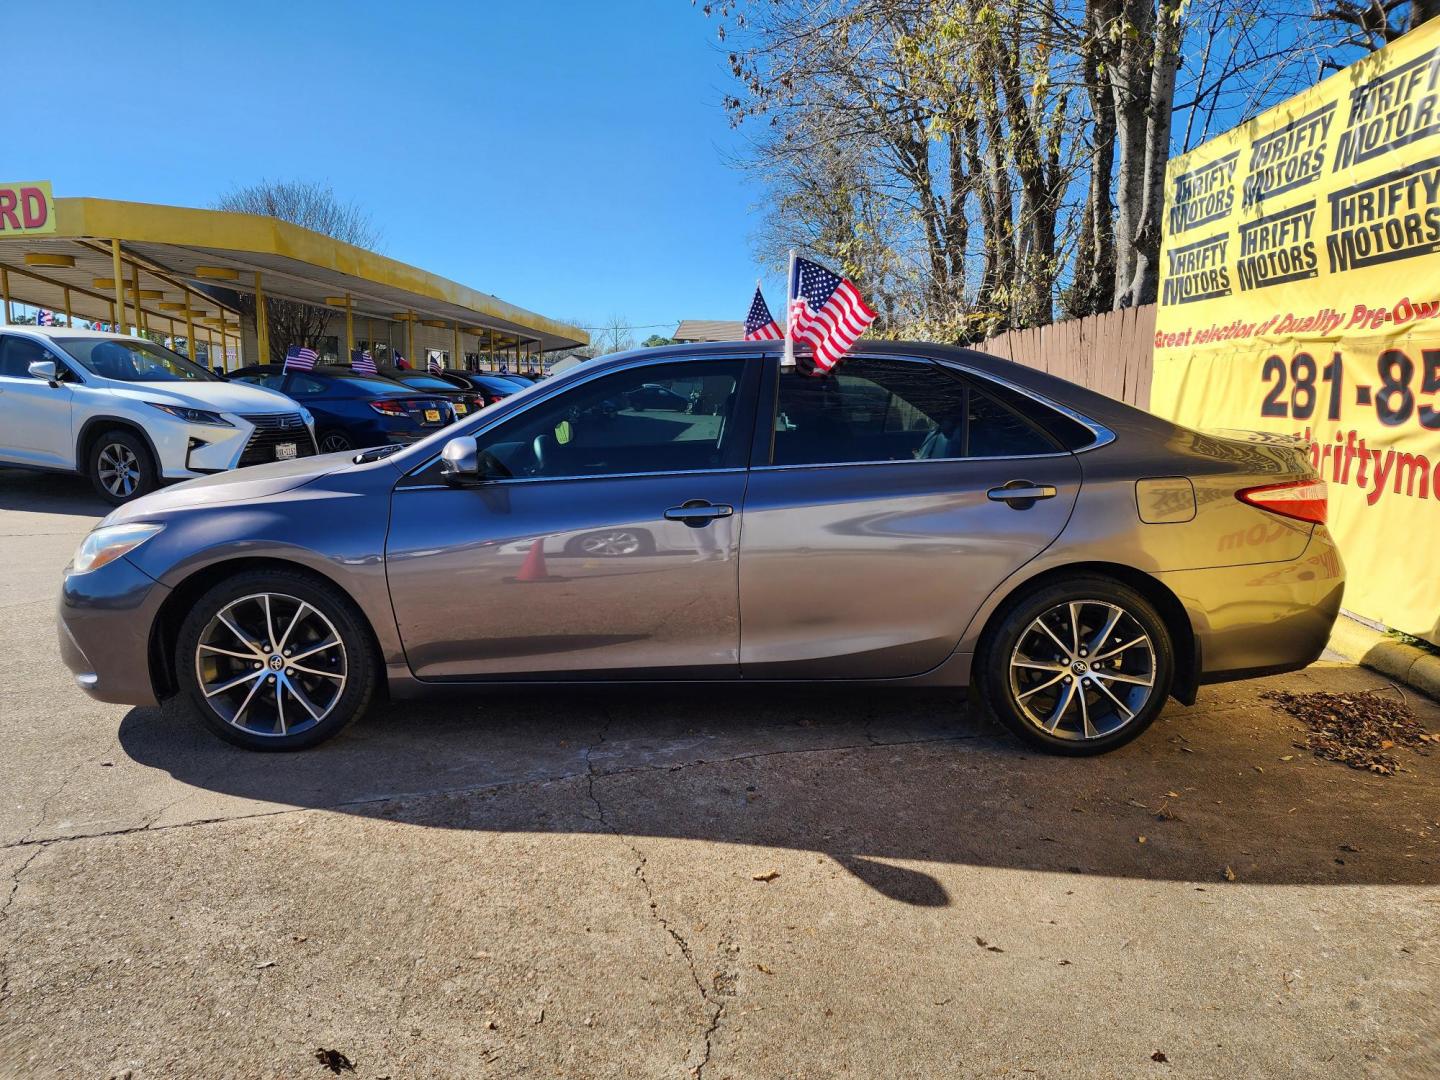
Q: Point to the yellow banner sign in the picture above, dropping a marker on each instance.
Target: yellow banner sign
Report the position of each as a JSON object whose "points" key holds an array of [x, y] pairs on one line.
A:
{"points": [[1300, 293], [27, 207]]}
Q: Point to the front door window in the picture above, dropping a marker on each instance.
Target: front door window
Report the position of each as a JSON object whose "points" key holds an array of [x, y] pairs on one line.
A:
{"points": [[658, 418]]}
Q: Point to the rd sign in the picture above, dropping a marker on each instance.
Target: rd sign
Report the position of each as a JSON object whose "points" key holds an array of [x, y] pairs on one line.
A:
{"points": [[26, 207]]}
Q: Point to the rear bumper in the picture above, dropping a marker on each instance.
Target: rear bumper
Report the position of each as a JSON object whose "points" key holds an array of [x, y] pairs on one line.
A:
{"points": [[104, 627], [1263, 618]]}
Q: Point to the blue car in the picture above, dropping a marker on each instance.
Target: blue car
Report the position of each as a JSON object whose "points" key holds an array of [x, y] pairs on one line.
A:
{"points": [[353, 410]]}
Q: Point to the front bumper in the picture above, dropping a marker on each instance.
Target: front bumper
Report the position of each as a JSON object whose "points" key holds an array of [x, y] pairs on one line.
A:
{"points": [[104, 626], [190, 450], [1263, 618]]}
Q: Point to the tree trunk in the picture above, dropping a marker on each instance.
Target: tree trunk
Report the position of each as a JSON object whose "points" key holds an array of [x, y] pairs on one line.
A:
{"points": [[1143, 285], [1130, 85]]}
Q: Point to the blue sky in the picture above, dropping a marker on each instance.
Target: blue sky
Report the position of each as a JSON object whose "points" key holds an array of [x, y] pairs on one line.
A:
{"points": [[568, 156]]}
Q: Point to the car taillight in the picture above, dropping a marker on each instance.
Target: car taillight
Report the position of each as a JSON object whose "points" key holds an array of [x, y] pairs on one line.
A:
{"points": [[1303, 500], [475, 401], [389, 408]]}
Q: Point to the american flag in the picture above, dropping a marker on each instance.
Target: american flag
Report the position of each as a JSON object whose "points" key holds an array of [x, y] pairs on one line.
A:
{"points": [[827, 311], [363, 362], [433, 365], [760, 325], [299, 358], [44, 318]]}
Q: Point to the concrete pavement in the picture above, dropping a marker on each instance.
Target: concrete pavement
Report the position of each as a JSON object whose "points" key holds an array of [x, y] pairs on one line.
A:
{"points": [[676, 883]]}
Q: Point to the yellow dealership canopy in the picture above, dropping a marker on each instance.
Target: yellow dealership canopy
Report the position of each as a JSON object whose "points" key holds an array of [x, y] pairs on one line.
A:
{"points": [[171, 258]]}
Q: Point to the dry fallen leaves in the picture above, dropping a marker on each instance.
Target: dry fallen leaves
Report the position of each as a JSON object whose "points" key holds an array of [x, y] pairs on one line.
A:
{"points": [[987, 946], [769, 875], [334, 1060], [1358, 729]]}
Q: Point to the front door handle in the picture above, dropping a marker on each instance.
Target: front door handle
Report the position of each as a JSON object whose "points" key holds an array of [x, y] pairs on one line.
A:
{"points": [[697, 513], [1021, 494]]}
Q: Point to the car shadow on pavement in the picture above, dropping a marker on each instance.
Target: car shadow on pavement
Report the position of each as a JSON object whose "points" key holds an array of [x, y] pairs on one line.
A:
{"points": [[49, 493], [871, 778]]}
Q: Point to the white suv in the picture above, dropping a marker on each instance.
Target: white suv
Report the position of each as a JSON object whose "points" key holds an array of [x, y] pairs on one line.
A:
{"points": [[130, 415]]}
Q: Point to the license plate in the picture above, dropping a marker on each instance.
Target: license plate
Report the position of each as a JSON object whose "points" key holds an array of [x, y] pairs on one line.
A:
{"points": [[432, 416], [460, 410], [284, 450]]}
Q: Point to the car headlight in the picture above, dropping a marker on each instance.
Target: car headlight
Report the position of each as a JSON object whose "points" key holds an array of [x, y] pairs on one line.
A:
{"points": [[192, 416], [108, 543]]}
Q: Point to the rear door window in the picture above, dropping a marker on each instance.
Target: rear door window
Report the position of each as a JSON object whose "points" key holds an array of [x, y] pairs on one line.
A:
{"points": [[876, 410]]}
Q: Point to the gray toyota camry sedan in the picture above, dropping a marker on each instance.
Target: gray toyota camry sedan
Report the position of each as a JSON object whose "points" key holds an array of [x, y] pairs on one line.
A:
{"points": [[923, 515]]}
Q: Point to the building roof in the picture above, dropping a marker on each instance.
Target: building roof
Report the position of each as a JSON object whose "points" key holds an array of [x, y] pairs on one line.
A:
{"points": [[181, 248], [709, 330]]}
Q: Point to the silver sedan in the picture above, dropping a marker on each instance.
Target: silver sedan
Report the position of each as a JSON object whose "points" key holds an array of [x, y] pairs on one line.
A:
{"points": [[923, 515]]}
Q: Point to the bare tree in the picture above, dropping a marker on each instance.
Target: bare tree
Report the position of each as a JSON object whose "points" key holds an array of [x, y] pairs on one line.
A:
{"points": [[972, 164], [312, 206], [614, 336], [1373, 24]]}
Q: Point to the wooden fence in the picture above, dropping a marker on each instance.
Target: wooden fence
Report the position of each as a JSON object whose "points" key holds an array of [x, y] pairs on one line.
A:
{"points": [[1109, 353]]}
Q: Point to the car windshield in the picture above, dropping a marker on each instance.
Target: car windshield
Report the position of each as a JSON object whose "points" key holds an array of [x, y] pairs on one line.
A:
{"points": [[133, 360]]}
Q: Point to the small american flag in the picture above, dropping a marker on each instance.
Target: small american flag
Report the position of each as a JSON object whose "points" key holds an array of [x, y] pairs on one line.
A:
{"points": [[44, 318], [363, 362], [760, 325], [827, 311], [433, 365], [299, 358]]}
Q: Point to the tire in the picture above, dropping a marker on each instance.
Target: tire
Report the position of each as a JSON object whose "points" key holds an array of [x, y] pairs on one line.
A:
{"points": [[334, 442], [1023, 674], [121, 467], [280, 707]]}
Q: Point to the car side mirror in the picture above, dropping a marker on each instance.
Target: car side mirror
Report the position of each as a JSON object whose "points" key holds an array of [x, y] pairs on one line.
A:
{"points": [[460, 461], [46, 369]]}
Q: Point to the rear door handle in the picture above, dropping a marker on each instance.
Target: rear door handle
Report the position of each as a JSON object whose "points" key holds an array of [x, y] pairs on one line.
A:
{"points": [[698, 513], [1021, 494]]}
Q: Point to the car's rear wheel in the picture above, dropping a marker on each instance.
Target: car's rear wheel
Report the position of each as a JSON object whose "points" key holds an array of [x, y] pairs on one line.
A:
{"points": [[121, 467], [276, 660], [335, 442], [1077, 667]]}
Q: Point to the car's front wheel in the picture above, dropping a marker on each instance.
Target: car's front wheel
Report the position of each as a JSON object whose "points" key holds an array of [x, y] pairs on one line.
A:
{"points": [[1077, 667], [276, 660], [121, 467]]}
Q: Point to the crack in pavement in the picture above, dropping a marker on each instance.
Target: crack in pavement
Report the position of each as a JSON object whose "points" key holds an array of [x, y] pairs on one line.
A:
{"points": [[5, 916], [715, 1007], [379, 800], [45, 806]]}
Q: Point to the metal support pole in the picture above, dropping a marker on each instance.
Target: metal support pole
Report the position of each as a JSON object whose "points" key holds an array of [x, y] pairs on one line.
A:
{"points": [[189, 328], [262, 322], [135, 295], [410, 341], [119, 282], [457, 360], [5, 291], [69, 316], [349, 327]]}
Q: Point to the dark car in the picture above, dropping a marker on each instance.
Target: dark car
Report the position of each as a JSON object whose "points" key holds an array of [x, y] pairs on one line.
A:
{"points": [[923, 515], [463, 397], [353, 410]]}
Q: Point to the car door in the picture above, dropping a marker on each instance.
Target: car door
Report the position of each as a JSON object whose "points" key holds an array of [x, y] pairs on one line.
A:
{"points": [[36, 426], [874, 521], [604, 543]]}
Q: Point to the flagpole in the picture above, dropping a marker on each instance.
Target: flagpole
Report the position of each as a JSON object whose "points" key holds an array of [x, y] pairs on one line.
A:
{"points": [[787, 359]]}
